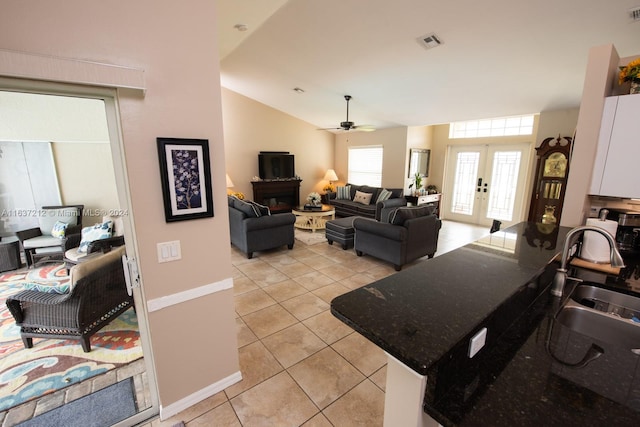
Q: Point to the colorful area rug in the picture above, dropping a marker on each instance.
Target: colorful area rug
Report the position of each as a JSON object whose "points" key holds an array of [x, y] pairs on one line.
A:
{"points": [[53, 364]]}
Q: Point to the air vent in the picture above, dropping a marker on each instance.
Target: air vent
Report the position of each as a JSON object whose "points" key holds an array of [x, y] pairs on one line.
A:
{"points": [[430, 41], [634, 14]]}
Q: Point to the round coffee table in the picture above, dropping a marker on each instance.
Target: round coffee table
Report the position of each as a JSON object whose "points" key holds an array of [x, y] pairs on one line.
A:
{"points": [[313, 219]]}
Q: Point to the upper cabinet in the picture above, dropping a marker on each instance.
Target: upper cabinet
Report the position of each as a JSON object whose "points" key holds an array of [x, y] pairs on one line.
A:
{"points": [[618, 149]]}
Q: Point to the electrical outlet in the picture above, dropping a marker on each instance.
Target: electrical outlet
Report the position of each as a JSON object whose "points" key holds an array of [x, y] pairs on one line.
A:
{"points": [[477, 342]]}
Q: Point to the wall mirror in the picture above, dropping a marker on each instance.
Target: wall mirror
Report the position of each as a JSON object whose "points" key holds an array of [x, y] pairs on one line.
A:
{"points": [[419, 162]]}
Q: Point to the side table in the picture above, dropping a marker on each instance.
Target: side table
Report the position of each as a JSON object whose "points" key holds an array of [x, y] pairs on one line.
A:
{"points": [[9, 254]]}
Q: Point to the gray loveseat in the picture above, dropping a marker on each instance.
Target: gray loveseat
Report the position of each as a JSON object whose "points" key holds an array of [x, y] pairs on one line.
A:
{"points": [[253, 228], [406, 234], [349, 207]]}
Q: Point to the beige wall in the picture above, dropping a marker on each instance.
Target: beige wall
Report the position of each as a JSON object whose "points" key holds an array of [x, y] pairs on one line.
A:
{"points": [[251, 127], [600, 80], [395, 153], [77, 128], [193, 341], [86, 177]]}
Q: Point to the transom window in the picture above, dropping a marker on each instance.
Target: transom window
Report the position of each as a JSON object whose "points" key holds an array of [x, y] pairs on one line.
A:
{"points": [[365, 165], [504, 126]]}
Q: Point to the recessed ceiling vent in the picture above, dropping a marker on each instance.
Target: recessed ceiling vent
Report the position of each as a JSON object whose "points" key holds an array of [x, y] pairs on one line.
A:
{"points": [[634, 14], [430, 41]]}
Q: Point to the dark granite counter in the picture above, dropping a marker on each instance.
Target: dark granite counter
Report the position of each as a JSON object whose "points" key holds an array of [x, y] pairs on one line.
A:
{"points": [[425, 316]]}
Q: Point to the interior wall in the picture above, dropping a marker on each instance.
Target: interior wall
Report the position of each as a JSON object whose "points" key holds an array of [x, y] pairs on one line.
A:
{"points": [[176, 47], [600, 79], [77, 129], [251, 127], [86, 177], [394, 158]]}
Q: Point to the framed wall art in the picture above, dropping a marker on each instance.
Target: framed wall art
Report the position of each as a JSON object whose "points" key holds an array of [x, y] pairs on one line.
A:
{"points": [[185, 174]]}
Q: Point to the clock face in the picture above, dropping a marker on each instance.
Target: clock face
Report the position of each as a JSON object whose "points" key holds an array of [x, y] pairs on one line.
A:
{"points": [[555, 166]]}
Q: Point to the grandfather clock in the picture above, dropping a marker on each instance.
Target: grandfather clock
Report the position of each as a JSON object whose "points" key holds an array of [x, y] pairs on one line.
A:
{"points": [[552, 170]]}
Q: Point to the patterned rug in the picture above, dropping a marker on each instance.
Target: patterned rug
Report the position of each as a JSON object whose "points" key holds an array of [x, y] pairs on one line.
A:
{"points": [[53, 364], [310, 238]]}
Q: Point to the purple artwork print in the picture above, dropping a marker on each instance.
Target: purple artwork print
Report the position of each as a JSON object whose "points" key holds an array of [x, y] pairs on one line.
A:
{"points": [[186, 178]]}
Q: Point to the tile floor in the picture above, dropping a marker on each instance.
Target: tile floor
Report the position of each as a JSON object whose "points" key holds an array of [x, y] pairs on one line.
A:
{"points": [[300, 365]]}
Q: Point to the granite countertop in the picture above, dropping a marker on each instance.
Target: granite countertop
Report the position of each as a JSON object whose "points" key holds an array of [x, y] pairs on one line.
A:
{"points": [[425, 315]]}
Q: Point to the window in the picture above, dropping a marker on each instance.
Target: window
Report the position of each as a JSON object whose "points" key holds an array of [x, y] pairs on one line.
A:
{"points": [[505, 126], [365, 166]]}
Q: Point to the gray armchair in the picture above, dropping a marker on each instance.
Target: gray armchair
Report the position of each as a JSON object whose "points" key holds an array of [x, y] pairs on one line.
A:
{"points": [[39, 241], [253, 228], [410, 233]]}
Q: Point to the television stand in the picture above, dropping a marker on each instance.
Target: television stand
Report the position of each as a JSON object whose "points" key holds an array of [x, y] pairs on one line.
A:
{"points": [[280, 195]]}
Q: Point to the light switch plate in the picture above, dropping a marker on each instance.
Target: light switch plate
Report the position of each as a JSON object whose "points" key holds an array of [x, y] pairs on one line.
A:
{"points": [[169, 251], [477, 342]]}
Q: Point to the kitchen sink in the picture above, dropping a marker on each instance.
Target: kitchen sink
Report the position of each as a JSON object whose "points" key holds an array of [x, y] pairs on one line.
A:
{"points": [[605, 315]]}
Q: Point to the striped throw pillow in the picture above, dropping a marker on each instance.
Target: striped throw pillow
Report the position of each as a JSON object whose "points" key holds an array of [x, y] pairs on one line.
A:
{"points": [[344, 193], [384, 195]]}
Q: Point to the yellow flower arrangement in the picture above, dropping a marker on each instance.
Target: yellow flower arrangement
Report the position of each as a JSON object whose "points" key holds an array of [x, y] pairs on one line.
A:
{"points": [[630, 73], [329, 188], [237, 194]]}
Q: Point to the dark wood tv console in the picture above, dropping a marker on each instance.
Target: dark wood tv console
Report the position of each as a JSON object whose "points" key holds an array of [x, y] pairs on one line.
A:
{"points": [[280, 195]]}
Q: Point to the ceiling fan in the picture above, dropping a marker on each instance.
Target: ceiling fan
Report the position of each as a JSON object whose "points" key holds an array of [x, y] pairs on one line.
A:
{"points": [[347, 125]]}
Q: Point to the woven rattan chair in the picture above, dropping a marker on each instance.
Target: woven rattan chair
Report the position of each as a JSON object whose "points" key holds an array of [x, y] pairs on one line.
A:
{"points": [[97, 296]]}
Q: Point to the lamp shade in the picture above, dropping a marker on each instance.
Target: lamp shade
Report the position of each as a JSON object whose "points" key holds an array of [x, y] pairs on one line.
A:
{"points": [[229, 182], [330, 175]]}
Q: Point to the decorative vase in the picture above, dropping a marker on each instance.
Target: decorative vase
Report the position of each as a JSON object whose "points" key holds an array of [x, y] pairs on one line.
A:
{"points": [[635, 88], [549, 217]]}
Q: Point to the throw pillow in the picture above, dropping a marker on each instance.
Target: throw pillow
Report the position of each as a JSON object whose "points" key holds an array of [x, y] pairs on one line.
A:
{"points": [[364, 198], [59, 229], [343, 193], [102, 230], [246, 208], [384, 195], [61, 287], [400, 215], [262, 210]]}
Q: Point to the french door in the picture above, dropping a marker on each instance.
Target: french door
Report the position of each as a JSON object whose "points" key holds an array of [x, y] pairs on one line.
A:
{"points": [[486, 183]]}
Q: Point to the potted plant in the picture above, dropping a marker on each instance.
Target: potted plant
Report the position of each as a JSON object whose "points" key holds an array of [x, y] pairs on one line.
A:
{"points": [[417, 181]]}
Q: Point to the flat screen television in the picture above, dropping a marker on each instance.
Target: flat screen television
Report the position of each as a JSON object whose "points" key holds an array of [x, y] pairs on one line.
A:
{"points": [[276, 165]]}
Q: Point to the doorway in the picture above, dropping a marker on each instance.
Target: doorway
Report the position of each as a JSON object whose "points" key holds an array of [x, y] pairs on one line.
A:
{"points": [[486, 183], [148, 406]]}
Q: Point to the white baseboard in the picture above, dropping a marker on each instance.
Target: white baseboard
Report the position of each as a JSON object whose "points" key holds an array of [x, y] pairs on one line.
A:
{"points": [[200, 395]]}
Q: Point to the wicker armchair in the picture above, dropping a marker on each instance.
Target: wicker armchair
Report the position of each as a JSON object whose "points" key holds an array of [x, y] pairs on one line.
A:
{"points": [[97, 296]]}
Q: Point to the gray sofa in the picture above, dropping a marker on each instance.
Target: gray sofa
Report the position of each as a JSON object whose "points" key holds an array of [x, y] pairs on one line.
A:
{"points": [[253, 228], [408, 233], [348, 207]]}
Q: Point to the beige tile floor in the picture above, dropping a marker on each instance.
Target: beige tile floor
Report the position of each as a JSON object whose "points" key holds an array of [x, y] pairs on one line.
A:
{"points": [[300, 365]]}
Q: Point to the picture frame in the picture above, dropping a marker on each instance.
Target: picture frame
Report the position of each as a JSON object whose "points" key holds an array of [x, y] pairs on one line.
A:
{"points": [[185, 175]]}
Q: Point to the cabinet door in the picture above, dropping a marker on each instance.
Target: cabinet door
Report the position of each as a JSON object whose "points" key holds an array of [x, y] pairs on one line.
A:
{"points": [[623, 155]]}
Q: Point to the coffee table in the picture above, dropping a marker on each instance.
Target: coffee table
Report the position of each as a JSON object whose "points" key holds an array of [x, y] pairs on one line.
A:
{"points": [[313, 219]]}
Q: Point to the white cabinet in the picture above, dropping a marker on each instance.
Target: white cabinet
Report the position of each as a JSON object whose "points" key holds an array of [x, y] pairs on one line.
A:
{"points": [[618, 153]]}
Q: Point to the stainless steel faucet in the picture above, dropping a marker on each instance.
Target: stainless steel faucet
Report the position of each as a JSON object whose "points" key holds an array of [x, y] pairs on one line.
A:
{"points": [[560, 278]]}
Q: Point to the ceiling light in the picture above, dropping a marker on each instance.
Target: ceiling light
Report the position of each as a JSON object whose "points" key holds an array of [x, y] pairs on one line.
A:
{"points": [[634, 14], [298, 90], [241, 27]]}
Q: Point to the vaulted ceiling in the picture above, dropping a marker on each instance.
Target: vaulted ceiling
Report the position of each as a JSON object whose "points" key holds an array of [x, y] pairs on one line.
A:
{"points": [[496, 57]]}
